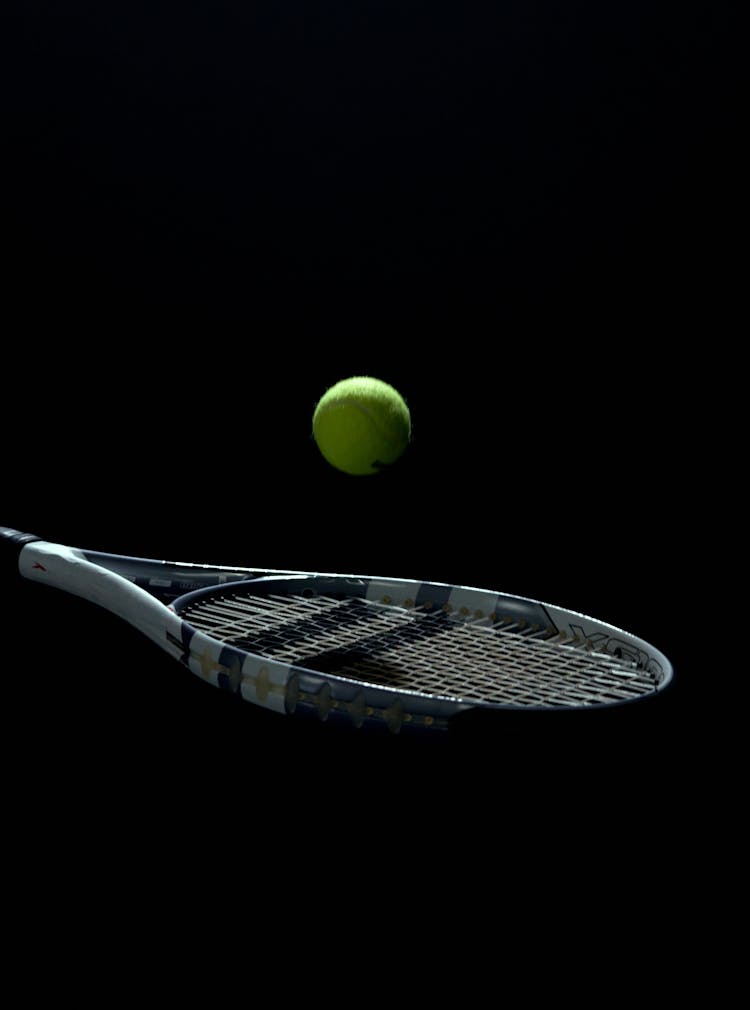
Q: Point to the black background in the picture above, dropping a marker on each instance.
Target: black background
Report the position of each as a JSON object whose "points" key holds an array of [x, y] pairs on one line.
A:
{"points": [[512, 212]]}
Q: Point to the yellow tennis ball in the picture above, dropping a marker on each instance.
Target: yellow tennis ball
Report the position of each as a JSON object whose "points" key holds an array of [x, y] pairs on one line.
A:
{"points": [[361, 425]]}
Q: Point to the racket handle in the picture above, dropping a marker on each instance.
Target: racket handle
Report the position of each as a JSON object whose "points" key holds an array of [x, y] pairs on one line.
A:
{"points": [[12, 541]]}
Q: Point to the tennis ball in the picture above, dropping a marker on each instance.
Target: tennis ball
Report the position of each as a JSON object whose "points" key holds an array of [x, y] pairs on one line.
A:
{"points": [[361, 425]]}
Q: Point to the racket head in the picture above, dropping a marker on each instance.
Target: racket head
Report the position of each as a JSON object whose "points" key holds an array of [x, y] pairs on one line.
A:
{"points": [[407, 655]]}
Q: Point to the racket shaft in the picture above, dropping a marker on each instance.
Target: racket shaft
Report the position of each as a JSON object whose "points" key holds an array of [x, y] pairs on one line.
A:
{"points": [[70, 570]]}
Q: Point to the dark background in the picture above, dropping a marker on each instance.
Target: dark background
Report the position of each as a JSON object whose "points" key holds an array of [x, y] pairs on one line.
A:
{"points": [[515, 213]]}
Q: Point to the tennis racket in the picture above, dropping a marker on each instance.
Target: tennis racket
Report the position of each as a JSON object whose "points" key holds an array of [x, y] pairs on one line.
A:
{"points": [[368, 652]]}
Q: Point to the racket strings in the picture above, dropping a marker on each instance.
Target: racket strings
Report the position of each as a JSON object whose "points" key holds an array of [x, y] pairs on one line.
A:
{"points": [[423, 650]]}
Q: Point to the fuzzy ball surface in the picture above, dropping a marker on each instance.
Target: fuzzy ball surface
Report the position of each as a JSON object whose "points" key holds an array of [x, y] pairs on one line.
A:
{"points": [[361, 425]]}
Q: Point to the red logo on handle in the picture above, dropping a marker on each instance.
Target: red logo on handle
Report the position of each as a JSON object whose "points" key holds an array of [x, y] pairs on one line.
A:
{"points": [[40, 567]]}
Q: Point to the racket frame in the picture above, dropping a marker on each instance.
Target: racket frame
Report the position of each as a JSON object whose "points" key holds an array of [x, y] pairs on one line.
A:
{"points": [[143, 591]]}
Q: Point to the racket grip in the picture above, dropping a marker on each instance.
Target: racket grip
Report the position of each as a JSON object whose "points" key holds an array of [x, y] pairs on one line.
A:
{"points": [[12, 541]]}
